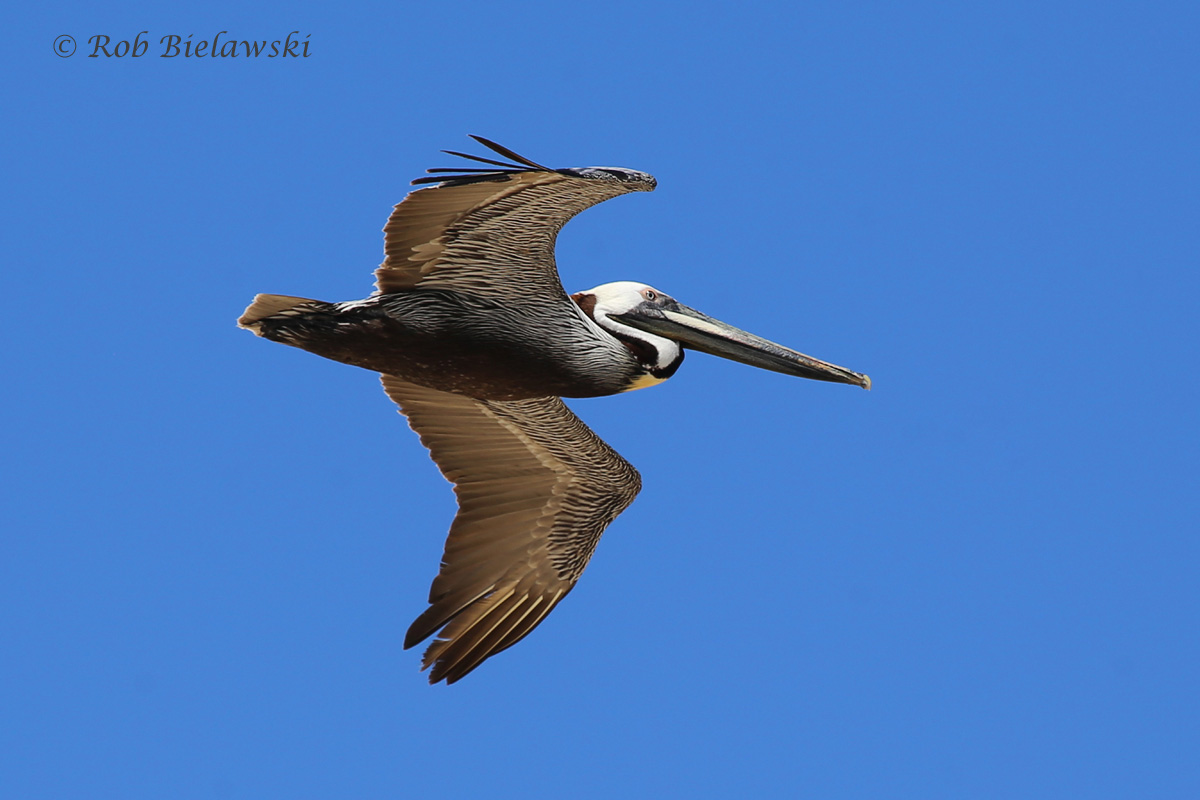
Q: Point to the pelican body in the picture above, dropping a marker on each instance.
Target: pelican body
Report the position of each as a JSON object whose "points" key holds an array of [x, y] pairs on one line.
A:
{"points": [[476, 341], [463, 343]]}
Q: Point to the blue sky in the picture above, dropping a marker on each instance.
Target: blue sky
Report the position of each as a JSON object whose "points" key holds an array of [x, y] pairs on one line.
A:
{"points": [[977, 580]]}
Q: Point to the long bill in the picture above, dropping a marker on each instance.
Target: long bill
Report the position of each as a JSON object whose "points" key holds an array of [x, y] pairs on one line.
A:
{"points": [[701, 332]]}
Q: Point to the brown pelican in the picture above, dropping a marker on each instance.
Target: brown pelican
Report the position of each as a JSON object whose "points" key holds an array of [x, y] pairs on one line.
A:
{"points": [[477, 341]]}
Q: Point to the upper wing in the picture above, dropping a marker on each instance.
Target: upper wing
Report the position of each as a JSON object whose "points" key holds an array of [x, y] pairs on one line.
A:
{"points": [[492, 231], [536, 488]]}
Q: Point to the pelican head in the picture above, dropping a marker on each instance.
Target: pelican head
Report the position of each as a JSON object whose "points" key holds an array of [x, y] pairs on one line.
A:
{"points": [[657, 327]]}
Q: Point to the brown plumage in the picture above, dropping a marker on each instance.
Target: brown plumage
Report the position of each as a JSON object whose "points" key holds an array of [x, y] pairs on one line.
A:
{"points": [[536, 488], [493, 233], [477, 341]]}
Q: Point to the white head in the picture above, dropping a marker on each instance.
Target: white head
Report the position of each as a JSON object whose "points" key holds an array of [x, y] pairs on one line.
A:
{"points": [[660, 356]]}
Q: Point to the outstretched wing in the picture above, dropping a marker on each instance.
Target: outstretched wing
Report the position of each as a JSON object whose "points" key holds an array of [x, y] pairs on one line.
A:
{"points": [[491, 231], [536, 488]]}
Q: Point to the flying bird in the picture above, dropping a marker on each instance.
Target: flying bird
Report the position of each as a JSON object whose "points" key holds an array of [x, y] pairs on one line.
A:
{"points": [[477, 342]]}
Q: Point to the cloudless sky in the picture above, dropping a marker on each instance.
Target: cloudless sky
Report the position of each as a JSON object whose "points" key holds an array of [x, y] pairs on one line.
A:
{"points": [[978, 580]]}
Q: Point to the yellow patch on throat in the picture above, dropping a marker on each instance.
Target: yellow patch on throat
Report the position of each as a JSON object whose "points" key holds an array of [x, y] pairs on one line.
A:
{"points": [[643, 381]]}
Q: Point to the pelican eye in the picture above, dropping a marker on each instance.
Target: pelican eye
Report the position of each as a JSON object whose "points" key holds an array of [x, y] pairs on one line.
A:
{"points": [[650, 295]]}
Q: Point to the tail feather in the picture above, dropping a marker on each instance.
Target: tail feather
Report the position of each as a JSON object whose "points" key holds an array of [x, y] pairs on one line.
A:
{"points": [[270, 305]]}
